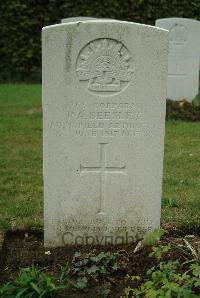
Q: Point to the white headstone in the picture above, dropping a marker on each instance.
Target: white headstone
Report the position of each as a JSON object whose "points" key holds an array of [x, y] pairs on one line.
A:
{"points": [[184, 57], [104, 93]]}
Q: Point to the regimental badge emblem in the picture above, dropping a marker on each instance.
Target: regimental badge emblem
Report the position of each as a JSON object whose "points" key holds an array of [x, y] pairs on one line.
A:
{"points": [[104, 66]]}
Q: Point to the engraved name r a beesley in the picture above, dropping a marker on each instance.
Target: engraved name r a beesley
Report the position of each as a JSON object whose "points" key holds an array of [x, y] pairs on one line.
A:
{"points": [[100, 115]]}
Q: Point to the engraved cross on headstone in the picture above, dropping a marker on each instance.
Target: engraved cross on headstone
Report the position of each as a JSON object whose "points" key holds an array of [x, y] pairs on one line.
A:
{"points": [[103, 170]]}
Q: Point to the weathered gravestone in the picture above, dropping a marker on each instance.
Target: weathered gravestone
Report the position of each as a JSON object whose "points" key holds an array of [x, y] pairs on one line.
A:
{"points": [[104, 91], [183, 60]]}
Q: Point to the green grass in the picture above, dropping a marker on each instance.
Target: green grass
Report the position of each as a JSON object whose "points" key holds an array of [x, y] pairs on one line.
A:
{"points": [[20, 156], [182, 175], [21, 164]]}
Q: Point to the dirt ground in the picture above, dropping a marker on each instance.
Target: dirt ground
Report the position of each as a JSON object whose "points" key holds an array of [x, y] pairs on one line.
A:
{"points": [[182, 110], [24, 248]]}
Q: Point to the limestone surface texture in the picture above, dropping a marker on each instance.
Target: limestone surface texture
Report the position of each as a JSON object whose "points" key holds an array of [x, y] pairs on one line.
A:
{"points": [[184, 57], [76, 19], [104, 95]]}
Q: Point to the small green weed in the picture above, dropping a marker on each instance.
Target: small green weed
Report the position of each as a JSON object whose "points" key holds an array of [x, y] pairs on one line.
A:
{"points": [[166, 278], [169, 202], [165, 281], [158, 251], [90, 266], [196, 100], [31, 282], [64, 272], [80, 283], [152, 238]]}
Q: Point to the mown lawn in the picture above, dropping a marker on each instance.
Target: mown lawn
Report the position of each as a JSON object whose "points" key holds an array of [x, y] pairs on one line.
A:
{"points": [[182, 175], [20, 156], [21, 164]]}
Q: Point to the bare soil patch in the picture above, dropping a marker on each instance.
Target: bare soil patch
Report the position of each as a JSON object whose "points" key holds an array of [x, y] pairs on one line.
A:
{"points": [[24, 248]]}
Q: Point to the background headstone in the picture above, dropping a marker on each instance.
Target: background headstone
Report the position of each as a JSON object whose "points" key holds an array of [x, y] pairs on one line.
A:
{"points": [[184, 57], [104, 94]]}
